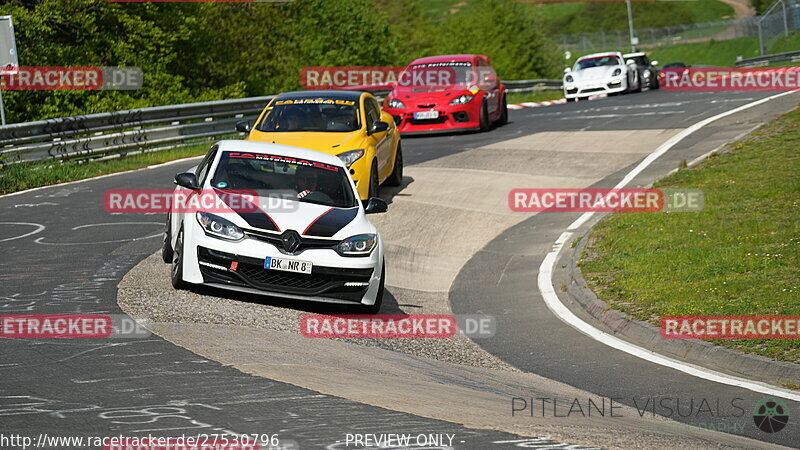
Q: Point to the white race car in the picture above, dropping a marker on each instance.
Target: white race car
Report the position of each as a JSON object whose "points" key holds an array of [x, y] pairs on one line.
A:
{"points": [[600, 73], [301, 234]]}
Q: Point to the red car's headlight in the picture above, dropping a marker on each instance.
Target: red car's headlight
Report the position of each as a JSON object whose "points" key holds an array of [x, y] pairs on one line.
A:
{"points": [[395, 104], [462, 99]]}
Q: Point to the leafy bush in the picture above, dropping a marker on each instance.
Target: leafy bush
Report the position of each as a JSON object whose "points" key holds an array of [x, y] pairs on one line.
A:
{"points": [[207, 51]]}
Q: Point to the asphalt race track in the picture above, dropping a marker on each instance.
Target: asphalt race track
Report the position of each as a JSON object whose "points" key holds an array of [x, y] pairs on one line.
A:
{"points": [[64, 254]]}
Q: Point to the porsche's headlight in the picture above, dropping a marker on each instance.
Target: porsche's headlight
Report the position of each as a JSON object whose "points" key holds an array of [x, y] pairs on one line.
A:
{"points": [[617, 72], [396, 104], [359, 245], [462, 99], [348, 158], [219, 227], [569, 79]]}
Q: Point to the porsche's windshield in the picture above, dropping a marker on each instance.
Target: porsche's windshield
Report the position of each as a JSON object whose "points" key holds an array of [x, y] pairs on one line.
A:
{"points": [[279, 176], [311, 114], [608, 60]]}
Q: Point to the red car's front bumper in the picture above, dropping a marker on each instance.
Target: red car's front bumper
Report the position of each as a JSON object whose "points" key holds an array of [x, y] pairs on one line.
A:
{"points": [[451, 118]]}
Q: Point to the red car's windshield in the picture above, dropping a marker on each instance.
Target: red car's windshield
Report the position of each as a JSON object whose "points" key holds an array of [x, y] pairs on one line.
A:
{"points": [[437, 76]]}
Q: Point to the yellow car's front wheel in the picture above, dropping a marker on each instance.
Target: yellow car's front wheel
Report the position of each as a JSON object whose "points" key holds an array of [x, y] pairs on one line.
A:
{"points": [[396, 177], [374, 185]]}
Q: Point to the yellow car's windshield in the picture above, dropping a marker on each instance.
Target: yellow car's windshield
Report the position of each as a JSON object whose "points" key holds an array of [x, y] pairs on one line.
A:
{"points": [[311, 114]]}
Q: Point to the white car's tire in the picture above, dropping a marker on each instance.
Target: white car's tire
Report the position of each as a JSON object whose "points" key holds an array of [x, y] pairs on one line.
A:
{"points": [[166, 248], [176, 271]]}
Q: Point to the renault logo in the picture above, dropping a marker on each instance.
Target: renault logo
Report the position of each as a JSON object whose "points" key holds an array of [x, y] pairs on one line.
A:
{"points": [[291, 241]]}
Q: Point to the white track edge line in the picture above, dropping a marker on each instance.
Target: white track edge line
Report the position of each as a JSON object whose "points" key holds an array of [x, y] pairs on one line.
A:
{"points": [[547, 289]]}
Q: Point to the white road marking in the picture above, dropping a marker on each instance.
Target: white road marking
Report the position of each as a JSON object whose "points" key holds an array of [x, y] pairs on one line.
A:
{"points": [[159, 234], [33, 205], [545, 283], [612, 116], [38, 229]]}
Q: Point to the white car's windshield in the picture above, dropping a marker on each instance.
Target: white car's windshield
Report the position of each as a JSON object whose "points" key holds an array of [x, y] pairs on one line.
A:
{"points": [[608, 60], [306, 181]]}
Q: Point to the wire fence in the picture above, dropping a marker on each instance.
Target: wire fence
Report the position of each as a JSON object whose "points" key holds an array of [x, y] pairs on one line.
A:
{"points": [[779, 20]]}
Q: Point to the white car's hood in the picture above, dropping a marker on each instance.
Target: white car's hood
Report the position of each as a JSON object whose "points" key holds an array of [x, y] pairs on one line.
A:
{"points": [[595, 73], [308, 219]]}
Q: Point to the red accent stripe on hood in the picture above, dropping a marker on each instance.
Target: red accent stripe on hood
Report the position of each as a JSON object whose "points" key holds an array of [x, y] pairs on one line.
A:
{"points": [[315, 221]]}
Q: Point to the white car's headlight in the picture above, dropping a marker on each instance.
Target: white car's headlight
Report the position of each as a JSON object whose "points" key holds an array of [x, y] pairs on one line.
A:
{"points": [[396, 104], [569, 79], [462, 99], [617, 72], [219, 227], [359, 245], [348, 158]]}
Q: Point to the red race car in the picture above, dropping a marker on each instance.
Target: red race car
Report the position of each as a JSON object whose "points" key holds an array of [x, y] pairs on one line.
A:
{"points": [[447, 93]]}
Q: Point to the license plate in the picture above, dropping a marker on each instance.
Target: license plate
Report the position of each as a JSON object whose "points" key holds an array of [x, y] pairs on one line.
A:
{"points": [[426, 115], [287, 265]]}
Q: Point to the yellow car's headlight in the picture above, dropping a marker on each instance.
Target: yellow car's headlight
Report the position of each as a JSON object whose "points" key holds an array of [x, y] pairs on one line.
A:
{"points": [[350, 157]]}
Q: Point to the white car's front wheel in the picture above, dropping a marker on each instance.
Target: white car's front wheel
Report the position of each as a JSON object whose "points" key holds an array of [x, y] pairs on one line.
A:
{"points": [[166, 247], [176, 272]]}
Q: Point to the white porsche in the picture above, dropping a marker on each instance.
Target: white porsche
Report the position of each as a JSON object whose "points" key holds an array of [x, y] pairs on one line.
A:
{"points": [[600, 73], [303, 234]]}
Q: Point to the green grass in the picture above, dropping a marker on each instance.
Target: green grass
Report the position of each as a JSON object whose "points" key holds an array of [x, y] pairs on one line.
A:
{"points": [[438, 9], [585, 16], [723, 53], [712, 53], [536, 96], [740, 255], [709, 11], [785, 44], [18, 177]]}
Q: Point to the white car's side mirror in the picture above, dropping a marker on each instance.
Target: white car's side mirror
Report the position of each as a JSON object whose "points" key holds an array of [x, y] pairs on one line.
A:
{"points": [[567, 70]]}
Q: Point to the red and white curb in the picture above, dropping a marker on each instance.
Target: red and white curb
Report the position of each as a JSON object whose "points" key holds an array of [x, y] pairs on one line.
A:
{"points": [[536, 104], [516, 106]]}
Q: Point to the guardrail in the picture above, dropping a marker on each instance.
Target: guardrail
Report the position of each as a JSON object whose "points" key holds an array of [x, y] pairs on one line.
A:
{"points": [[122, 131], [147, 129], [532, 85], [762, 61]]}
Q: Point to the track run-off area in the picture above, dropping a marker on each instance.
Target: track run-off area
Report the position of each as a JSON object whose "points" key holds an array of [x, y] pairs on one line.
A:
{"points": [[218, 362]]}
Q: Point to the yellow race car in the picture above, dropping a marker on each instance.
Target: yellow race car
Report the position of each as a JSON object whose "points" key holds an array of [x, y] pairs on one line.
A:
{"points": [[347, 124]]}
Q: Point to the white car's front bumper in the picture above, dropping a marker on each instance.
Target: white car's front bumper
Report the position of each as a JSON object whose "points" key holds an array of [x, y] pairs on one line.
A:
{"points": [[586, 89], [208, 260]]}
